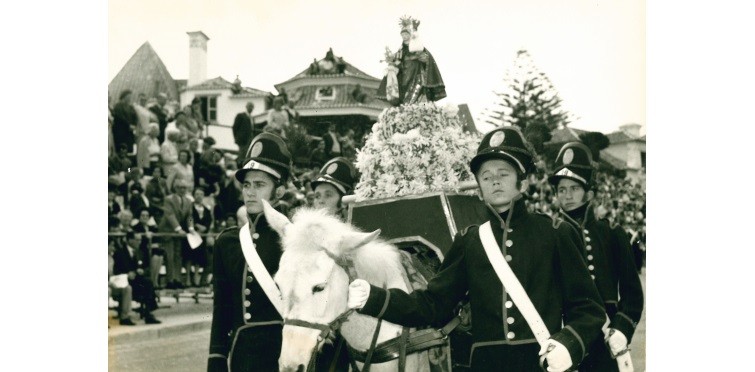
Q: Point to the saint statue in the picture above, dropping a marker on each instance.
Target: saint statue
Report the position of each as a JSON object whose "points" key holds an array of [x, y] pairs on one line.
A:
{"points": [[412, 75]]}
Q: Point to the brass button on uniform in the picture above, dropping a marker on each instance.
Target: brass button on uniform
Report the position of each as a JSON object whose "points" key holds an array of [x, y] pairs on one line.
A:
{"points": [[589, 247], [586, 232], [510, 320], [587, 238], [247, 316], [510, 335], [508, 258], [255, 236], [509, 304], [591, 267], [589, 257], [509, 243], [509, 230], [247, 291], [593, 277], [249, 279], [247, 303]]}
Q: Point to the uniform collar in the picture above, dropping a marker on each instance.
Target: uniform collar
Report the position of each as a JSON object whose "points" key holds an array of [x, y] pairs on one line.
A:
{"points": [[583, 215], [515, 213]]}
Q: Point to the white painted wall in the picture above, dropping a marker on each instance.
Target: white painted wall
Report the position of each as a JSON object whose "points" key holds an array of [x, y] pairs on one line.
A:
{"points": [[227, 108]]}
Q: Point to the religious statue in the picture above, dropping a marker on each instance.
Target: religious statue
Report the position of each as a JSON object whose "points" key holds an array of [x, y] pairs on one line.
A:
{"points": [[412, 75]]}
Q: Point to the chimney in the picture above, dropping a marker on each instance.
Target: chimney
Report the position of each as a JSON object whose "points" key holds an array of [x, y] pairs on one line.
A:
{"points": [[631, 130], [197, 57]]}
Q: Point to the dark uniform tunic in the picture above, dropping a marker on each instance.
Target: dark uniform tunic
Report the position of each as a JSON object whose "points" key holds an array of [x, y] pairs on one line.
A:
{"points": [[609, 258], [545, 256], [246, 327]]}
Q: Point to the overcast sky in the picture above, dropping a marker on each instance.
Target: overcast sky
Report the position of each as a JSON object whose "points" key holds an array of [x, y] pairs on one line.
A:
{"points": [[593, 51]]}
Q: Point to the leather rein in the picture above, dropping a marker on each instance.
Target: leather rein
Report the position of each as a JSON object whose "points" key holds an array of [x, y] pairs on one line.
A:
{"points": [[397, 347]]}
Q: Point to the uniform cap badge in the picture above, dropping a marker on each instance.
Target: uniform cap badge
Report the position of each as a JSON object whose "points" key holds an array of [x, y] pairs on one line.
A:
{"points": [[568, 156], [256, 149], [497, 139]]}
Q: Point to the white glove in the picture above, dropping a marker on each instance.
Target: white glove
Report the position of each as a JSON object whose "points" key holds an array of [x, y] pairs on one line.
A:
{"points": [[359, 292], [558, 357], [617, 342]]}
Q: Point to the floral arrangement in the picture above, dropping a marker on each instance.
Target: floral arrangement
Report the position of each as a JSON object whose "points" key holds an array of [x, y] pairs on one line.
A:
{"points": [[414, 149]]}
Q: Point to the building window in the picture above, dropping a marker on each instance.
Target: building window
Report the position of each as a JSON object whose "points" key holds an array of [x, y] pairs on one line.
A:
{"points": [[210, 108], [325, 94], [642, 157]]}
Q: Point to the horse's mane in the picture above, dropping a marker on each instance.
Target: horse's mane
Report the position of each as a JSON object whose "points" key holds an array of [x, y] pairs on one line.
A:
{"points": [[313, 229]]}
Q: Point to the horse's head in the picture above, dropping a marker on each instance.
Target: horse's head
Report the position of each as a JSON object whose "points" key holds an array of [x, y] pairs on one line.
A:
{"points": [[313, 277]]}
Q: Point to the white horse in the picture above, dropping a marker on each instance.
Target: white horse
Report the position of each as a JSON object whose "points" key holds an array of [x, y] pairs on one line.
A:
{"points": [[314, 285]]}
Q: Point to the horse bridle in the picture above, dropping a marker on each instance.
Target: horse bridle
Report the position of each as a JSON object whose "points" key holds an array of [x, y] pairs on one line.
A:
{"points": [[326, 330]]}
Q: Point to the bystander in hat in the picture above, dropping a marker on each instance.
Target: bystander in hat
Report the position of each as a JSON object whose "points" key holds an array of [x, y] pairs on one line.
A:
{"points": [[574, 161]]}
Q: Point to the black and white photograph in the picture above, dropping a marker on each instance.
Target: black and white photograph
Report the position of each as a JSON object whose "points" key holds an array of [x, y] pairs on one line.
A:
{"points": [[376, 186]]}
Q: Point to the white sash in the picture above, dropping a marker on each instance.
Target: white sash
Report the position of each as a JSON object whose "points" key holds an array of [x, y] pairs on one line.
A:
{"points": [[258, 269], [512, 286]]}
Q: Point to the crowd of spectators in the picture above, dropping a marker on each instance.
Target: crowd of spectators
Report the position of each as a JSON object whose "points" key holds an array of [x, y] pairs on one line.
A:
{"points": [[617, 200]]}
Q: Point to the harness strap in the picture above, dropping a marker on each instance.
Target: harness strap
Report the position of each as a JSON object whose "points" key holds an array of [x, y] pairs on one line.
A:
{"points": [[417, 341], [402, 349], [334, 362], [368, 359]]}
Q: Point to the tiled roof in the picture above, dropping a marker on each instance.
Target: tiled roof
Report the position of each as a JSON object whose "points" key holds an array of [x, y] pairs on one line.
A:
{"points": [[343, 98], [350, 70], [144, 73], [212, 84], [618, 136], [219, 83], [614, 162]]}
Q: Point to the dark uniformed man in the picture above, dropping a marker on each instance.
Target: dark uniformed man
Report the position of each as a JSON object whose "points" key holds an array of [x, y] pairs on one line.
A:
{"points": [[607, 253], [335, 180], [246, 326], [550, 309]]}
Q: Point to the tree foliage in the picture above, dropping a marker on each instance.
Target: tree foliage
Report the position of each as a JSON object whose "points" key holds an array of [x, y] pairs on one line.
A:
{"points": [[528, 100], [596, 141]]}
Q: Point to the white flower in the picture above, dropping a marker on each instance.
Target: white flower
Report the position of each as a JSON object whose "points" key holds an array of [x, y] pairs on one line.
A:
{"points": [[450, 109]]}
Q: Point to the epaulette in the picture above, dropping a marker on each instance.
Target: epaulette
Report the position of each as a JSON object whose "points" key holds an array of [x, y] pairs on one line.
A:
{"points": [[466, 229], [556, 220]]}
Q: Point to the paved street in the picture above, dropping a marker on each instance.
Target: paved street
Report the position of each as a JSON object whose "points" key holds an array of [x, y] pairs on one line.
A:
{"points": [[187, 352]]}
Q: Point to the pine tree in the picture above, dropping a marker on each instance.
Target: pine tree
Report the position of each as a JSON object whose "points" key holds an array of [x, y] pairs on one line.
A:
{"points": [[529, 100]]}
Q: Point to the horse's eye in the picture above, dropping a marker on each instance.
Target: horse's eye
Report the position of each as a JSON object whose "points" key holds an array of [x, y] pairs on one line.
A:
{"points": [[318, 288]]}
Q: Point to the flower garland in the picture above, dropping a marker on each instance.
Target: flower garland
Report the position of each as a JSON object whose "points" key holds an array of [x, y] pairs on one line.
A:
{"points": [[414, 149]]}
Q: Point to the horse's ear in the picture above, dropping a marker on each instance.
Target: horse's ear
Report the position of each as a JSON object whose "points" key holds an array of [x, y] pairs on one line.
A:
{"points": [[357, 239], [277, 220]]}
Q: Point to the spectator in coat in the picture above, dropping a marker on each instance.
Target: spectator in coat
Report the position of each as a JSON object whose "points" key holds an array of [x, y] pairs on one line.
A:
{"points": [[121, 294], [169, 150], [161, 112], [124, 122], [138, 201], [243, 130], [128, 260], [156, 190], [146, 226], [197, 258], [182, 171], [148, 150], [333, 144], [176, 219]]}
